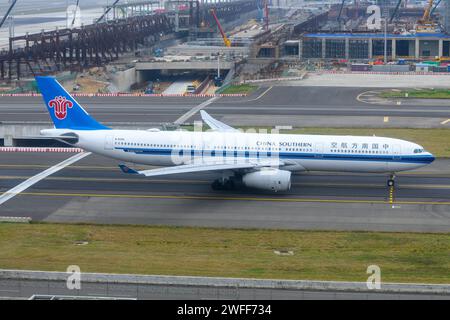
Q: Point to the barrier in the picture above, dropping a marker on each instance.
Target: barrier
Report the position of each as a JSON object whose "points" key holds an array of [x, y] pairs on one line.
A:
{"points": [[37, 149], [130, 95], [15, 219], [420, 73], [275, 79], [227, 282]]}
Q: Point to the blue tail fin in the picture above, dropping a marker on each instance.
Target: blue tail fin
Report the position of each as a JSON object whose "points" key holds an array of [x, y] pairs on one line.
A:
{"points": [[64, 110]]}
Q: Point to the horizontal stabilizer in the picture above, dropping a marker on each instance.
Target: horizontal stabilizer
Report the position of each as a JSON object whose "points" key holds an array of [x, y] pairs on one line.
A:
{"points": [[126, 169]]}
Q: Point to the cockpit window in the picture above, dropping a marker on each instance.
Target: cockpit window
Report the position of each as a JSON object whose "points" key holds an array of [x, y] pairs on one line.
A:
{"points": [[418, 150]]}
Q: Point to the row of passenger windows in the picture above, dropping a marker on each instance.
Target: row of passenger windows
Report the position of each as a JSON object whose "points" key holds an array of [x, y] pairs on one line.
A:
{"points": [[360, 151], [135, 144]]}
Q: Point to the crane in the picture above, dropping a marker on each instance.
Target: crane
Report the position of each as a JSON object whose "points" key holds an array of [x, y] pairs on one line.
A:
{"points": [[75, 14], [426, 14], [107, 11], [435, 6], [8, 12], [266, 14], [226, 41], [426, 24], [340, 10], [395, 10]]}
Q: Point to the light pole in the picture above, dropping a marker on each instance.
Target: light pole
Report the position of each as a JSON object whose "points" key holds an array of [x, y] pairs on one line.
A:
{"points": [[385, 40], [386, 16], [218, 65], [11, 22]]}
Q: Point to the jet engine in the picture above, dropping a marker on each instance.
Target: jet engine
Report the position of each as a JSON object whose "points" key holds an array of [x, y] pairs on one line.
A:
{"points": [[268, 179]]}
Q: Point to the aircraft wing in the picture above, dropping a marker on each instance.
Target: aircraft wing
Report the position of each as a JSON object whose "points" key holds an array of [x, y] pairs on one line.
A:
{"points": [[215, 124], [204, 166]]}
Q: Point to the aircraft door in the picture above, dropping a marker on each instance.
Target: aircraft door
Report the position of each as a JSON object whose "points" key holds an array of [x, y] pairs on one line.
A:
{"points": [[318, 150], [396, 151], [109, 142]]}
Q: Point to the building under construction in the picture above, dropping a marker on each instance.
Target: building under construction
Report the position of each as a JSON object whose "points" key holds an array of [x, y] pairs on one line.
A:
{"points": [[133, 25], [317, 30], [343, 33]]}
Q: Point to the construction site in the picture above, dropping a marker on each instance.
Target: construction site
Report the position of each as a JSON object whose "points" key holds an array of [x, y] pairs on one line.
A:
{"points": [[200, 47], [224, 150]]}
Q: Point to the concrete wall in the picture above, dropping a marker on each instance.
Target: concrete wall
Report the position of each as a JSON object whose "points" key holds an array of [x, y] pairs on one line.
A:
{"points": [[412, 48], [123, 80], [12, 131], [197, 50], [183, 65]]}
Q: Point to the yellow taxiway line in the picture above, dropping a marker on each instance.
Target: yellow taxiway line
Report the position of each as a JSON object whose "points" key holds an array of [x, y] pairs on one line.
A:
{"points": [[261, 199], [442, 174], [136, 180], [175, 181]]}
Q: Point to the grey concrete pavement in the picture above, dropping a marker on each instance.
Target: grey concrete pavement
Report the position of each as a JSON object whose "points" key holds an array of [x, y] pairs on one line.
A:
{"points": [[265, 108], [23, 284], [94, 190]]}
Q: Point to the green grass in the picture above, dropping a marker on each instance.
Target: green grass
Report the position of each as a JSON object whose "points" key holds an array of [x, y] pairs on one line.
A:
{"points": [[403, 257], [436, 141], [240, 89], [418, 94]]}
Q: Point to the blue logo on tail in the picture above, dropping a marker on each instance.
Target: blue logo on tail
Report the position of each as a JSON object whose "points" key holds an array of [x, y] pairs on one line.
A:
{"points": [[64, 110]]}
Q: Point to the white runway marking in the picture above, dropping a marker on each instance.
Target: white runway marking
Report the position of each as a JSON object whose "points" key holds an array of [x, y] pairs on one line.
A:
{"points": [[194, 110], [40, 176]]}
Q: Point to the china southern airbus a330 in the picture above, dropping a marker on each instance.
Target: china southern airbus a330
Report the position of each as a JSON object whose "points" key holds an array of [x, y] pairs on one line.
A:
{"points": [[262, 161]]}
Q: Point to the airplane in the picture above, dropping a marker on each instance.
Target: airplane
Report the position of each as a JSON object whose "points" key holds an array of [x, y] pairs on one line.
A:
{"points": [[255, 160]]}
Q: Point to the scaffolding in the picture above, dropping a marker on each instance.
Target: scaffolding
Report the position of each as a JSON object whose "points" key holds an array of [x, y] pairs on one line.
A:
{"points": [[447, 16], [335, 49], [76, 49], [358, 49]]}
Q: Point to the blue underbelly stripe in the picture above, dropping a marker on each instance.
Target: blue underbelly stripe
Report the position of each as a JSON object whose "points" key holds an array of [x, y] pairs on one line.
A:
{"points": [[288, 155]]}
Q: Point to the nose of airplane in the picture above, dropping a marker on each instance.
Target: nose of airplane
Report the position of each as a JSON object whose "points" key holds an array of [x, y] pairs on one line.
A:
{"points": [[432, 158]]}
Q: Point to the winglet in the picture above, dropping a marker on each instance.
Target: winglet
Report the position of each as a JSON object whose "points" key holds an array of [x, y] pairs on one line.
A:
{"points": [[215, 124], [126, 169]]}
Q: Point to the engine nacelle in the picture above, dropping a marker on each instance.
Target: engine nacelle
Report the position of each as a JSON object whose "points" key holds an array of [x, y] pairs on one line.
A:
{"points": [[269, 179]]}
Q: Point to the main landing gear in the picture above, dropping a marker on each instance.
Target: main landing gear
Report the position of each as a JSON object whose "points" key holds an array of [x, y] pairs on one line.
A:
{"points": [[229, 183], [391, 181]]}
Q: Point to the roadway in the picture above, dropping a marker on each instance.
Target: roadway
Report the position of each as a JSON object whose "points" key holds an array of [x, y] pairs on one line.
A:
{"points": [[94, 190], [25, 288], [297, 106]]}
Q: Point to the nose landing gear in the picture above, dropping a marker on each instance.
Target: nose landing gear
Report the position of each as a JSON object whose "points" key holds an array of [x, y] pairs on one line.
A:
{"points": [[391, 181]]}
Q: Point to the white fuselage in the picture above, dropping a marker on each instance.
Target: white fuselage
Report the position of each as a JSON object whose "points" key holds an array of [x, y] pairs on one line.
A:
{"points": [[296, 152]]}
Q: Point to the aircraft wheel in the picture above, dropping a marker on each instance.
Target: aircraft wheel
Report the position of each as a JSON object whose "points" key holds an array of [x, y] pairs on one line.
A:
{"points": [[229, 184], [216, 185]]}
